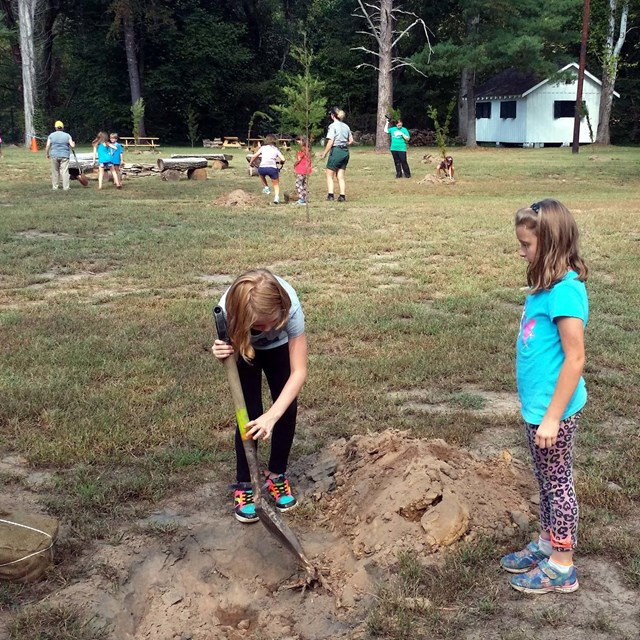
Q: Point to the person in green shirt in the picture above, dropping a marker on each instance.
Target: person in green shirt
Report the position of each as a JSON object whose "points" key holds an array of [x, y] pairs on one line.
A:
{"points": [[399, 137]]}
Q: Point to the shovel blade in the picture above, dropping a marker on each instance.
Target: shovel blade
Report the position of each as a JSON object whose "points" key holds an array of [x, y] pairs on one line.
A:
{"points": [[272, 520]]}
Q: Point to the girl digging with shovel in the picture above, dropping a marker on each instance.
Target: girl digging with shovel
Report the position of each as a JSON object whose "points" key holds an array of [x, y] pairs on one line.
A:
{"points": [[265, 323]]}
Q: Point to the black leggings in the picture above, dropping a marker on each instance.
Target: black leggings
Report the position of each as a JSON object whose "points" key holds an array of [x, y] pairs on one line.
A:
{"points": [[277, 369], [400, 160]]}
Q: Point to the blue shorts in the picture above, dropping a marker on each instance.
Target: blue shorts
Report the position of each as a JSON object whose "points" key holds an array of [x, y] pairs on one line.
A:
{"points": [[272, 172], [106, 165]]}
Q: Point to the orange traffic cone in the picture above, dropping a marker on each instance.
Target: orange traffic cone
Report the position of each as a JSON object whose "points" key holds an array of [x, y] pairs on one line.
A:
{"points": [[34, 144]]}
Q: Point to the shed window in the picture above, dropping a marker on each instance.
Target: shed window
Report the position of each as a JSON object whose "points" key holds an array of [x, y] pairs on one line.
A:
{"points": [[508, 109], [565, 108], [483, 110]]}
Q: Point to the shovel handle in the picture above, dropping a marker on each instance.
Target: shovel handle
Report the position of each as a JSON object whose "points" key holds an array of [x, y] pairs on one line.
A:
{"points": [[231, 368]]}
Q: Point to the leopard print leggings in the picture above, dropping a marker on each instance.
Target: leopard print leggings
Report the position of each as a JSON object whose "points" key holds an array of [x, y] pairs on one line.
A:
{"points": [[553, 469], [302, 185]]}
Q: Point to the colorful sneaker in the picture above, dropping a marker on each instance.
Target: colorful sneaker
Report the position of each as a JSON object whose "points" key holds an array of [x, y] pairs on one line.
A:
{"points": [[301, 201], [544, 579], [342, 198], [244, 507], [266, 190], [281, 492], [524, 560]]}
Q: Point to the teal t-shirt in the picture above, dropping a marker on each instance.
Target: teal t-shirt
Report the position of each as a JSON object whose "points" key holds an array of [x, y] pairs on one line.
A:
{"points": [[398, 143], [293, 328], [539, 353]]}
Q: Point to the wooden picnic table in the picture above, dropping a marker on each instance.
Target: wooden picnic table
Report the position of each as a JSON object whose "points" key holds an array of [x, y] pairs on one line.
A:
{"points": [[140, 141], [232, 141]]}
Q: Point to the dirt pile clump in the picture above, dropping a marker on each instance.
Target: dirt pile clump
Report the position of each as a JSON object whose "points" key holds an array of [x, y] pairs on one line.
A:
{"points": [[236, 198], [395, 492]]}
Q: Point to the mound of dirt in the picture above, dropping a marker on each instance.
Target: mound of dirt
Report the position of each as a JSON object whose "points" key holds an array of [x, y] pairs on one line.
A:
{"points": [[237, 198], [398, 493]]}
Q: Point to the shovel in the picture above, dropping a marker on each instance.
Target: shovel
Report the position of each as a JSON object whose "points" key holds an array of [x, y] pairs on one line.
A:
{"points": [[82, 179], [274, 523]]}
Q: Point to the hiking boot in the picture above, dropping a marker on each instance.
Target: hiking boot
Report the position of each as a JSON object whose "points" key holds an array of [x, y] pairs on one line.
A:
{"points": [[244, 508], [266, 190], [281, 492], [329, 196], [524, 560], [544, 579], [342, 198]]}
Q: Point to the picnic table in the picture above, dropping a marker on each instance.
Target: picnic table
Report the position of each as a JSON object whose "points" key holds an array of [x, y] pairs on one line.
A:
{"points": [[254, 143], [232, 141], [140, 141]]}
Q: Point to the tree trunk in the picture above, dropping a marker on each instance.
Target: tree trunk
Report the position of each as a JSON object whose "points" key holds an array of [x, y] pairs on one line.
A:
{"points": [[385, 75], [610, 69], [471, 111], [26, 16], [463, 123], [131, 49], [197, 174], [172, 175], [181, 164], [50, 14]]}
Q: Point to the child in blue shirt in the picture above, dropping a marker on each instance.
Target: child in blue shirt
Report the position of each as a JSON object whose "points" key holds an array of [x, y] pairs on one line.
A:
{"points": [[550, 357], [117, 155]]}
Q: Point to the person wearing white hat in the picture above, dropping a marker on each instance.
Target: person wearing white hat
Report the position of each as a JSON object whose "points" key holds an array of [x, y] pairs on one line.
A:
{"points": [[59, 145]]}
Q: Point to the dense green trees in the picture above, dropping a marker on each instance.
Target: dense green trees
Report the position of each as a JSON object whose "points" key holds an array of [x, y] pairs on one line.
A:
{"points": [[210, 64]]}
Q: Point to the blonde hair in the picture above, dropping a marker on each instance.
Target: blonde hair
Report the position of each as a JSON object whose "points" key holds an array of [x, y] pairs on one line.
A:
{"points": [[557, 249], [255, 296], [339, 114]]}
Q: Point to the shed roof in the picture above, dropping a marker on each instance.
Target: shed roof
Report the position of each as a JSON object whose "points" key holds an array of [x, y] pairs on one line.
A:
{"points": [[508, 83], [512, 83]]}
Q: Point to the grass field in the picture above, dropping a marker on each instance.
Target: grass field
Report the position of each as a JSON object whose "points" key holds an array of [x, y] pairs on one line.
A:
{"points": [[105, 319]]}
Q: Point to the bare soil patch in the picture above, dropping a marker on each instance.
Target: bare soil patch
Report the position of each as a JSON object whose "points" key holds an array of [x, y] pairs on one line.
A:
{"points": [[35, 234], [190, 571]]}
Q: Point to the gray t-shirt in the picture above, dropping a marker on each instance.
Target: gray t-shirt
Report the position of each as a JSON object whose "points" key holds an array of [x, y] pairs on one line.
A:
{"points": [[293, 328], [59, 144], [339, 132]]}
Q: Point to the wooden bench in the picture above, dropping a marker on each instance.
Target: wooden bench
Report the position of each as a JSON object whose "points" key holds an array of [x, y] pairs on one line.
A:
{"points": [[141, 142]]}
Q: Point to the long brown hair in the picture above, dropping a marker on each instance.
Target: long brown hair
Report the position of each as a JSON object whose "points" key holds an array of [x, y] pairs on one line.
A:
{"points": [[557, 251], [256, 296], [101, 138]]}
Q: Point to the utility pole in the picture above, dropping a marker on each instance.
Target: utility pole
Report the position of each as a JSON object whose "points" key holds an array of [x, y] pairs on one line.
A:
{"points": [[583, 57]]}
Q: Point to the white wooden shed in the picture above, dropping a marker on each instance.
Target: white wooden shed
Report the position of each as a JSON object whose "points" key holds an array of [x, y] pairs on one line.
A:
{"points": [[514, 108]]}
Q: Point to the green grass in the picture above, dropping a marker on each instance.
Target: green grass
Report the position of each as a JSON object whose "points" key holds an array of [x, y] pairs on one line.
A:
{"points": [[105, 325]]}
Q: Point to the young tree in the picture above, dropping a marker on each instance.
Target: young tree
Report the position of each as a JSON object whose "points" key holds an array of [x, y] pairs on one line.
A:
{"points": [[381, 19], [304, 104], [610, 61]]}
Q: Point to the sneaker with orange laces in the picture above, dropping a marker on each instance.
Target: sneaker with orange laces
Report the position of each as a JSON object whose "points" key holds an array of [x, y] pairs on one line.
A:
{"points": [[280, 490], [244, 507]]}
